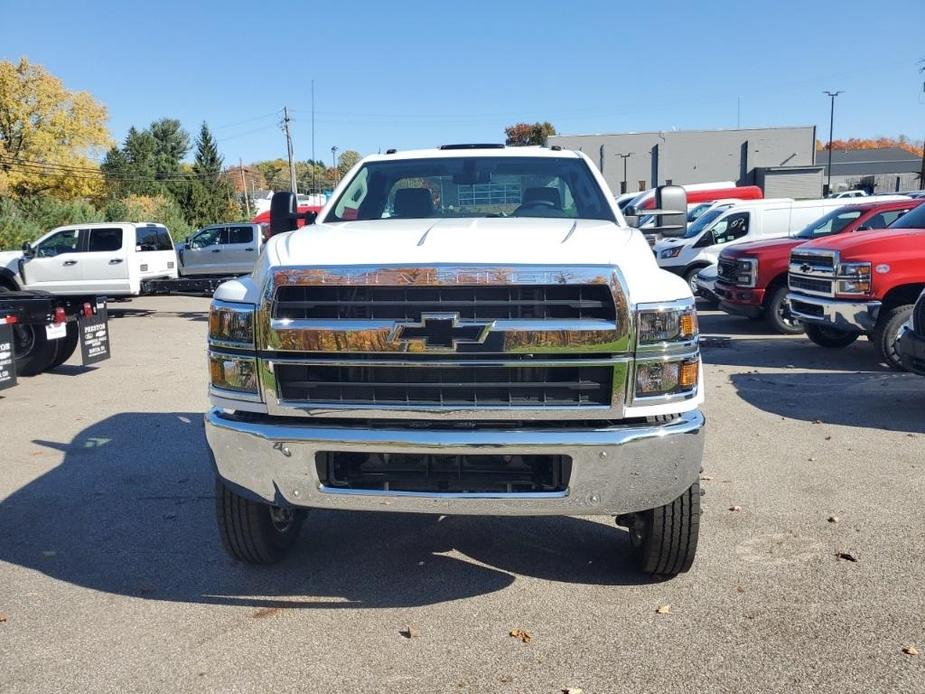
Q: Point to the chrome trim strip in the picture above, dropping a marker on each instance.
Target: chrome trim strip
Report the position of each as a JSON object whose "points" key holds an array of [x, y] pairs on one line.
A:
{"points": [[505, 325], [490, 360]]}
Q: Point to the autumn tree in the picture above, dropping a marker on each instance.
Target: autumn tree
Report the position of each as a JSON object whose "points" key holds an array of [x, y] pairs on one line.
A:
{"points": [[347, 159], [49, 136], [523, 134], [854, 143]]}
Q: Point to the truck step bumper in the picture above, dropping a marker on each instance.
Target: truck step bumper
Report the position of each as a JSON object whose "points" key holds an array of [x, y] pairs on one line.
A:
{"points": [[614, 469], [859, 317]]}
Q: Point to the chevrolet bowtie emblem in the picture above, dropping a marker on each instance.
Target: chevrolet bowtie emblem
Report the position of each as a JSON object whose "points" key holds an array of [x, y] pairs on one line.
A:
{"points": [[441, 331], [806, 267]]}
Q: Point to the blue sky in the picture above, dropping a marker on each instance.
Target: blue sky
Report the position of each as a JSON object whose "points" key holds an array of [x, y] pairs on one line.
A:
{"points": [[411, 74]]}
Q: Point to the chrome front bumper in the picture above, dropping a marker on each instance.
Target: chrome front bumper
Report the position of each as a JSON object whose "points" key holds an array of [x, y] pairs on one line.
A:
{"points": [[840, 314], [615, 469]]}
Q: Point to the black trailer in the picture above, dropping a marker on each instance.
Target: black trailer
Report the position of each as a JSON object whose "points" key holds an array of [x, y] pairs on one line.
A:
{"points": [[39, 331]]}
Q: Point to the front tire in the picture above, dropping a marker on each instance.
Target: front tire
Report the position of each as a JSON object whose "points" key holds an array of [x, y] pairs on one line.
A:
{"points": [[253, 532], [664, 539], [778, 313], [831, 338], [691, 278], [32, 350], [886, 335]]}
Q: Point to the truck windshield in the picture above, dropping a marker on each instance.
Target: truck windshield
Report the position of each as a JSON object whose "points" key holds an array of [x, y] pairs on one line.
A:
{"points": [[914, 219], [702, 222], [832, 223], [448, 187]]}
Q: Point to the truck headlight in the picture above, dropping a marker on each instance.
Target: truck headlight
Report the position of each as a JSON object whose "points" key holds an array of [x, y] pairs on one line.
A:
{"points": [[672, 323], [746, 272], [666, 377], [672, 252], [233, 372], [231, 325], [853, 279]]}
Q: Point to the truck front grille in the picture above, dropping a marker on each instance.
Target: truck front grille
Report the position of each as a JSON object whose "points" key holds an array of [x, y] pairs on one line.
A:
{"points": [[811, 285], [408, 303], [726, 270], [500, 474], [439, 385]]}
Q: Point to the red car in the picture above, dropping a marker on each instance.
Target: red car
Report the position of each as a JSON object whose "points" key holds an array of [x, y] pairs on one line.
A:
{"points": [[860, 284], [752, 277]]}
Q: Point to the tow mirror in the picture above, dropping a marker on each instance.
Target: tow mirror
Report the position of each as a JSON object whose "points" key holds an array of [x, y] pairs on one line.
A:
{"points": [[671, 215], [27, 250], [631, 215], [283, 212]]}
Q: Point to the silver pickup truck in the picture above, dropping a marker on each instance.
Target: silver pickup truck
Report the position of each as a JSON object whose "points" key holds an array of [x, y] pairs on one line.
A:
{"points": [[469, 330], [221, 250]]}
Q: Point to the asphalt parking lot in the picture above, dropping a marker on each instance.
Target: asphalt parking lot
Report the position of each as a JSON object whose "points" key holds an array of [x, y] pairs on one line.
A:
{"points": [[112, 577]]}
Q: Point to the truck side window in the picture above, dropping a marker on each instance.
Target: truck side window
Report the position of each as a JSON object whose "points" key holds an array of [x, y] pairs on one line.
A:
{"points": [[241, 234], [207, 237], [67, 241], [152, 238], [105, 240]]}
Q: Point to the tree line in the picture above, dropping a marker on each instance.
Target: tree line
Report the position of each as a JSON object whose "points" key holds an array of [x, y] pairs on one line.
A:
{"points": [[60, 165]]}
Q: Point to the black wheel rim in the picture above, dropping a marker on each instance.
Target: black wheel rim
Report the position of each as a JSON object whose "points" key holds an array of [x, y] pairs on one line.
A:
{"points": [[784, 315], [23, 339], [282, 519]]}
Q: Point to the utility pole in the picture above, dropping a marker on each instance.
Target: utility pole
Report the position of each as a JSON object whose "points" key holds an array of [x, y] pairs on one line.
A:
{"points": [[624, 157], [286, 119], [831, 95], [247, 203], [314, 167], [334, 163]]}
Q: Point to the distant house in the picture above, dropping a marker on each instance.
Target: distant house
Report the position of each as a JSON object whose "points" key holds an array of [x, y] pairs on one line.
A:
{"points": [[881, 170]]}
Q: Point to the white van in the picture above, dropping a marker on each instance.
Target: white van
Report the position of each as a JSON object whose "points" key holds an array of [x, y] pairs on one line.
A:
{"points": [[733, 223], [109, 259]]}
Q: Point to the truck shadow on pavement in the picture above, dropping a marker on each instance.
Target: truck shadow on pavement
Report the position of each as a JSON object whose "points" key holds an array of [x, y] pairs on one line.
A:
{"points": [[130, 511], [115, 311]]}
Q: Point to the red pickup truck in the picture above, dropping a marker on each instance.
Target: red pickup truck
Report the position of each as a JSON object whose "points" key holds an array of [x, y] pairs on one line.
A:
{"points": [[857, 284], [752, 277]]}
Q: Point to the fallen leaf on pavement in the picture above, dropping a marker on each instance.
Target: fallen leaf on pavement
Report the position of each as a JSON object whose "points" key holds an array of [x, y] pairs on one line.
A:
{"points": [[847, 556], [521, 634], [410, 632], [573, 690], [833, 519], [2, 618], [910, 650], [735, 508], [663, 609]]}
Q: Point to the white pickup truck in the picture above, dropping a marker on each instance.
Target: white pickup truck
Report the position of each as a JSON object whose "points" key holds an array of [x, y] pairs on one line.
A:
{"points": [[469, 330], [221, 250], [108, 259]]}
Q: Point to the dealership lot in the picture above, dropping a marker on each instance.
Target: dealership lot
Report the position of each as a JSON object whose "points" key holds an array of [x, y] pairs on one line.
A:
{"points": [[112, 577]]}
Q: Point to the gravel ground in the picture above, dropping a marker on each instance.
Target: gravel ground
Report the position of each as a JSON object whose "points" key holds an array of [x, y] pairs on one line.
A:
{"points": [[112, 577]]}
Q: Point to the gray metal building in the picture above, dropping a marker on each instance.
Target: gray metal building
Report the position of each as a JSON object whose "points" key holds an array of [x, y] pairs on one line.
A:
{"points": [[700, 156], [880, 170]]}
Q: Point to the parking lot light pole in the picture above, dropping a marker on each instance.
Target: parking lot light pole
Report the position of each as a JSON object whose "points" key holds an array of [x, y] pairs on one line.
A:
{"points": [[832, 95], [624, 157], [334, 163]]}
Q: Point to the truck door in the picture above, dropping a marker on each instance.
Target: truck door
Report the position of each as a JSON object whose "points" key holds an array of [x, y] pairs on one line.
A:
{"points": [[105, 266], [240, 253], [56, 266], [203, 252]]}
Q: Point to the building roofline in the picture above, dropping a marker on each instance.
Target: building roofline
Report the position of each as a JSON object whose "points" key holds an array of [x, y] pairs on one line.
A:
{"points": [[702, 130]]}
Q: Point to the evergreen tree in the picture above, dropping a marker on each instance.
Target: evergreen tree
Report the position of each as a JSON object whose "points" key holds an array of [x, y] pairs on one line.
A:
{"points": [[210, 193]]}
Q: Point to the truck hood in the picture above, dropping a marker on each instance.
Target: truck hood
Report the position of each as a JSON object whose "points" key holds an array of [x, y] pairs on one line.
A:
{"points": [[10, 260], [763, 248], [869, 242], [490, 240]]}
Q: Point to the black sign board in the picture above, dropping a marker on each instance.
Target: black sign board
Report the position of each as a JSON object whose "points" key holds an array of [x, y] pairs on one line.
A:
{"points": [[94, 337], [7, 364]]}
